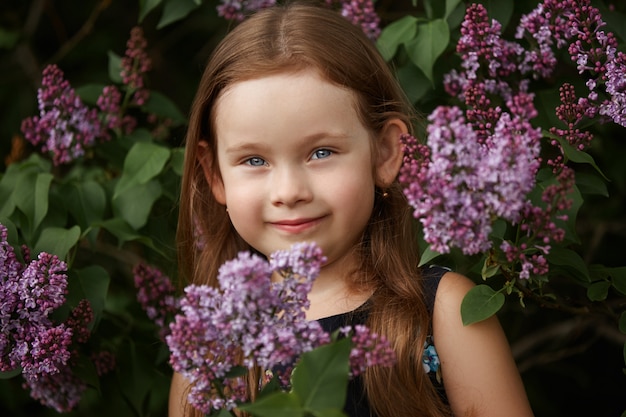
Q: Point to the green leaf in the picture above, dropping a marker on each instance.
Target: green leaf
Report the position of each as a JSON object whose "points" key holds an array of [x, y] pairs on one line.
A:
{"points": [[94, 281], [90, 93], [431, 40], [396, 34], [115, 67], [428, 255], [31, 196], [278, 404], [451, 6], [161, 105], [124, 233], [622, 322], [10, 374], [575, 155], [175, 10], [501, 10], [618, 278], [590, 184], [144, 161], [134, 204], [57, 241], [177, 160], [413, 82], [571, 261], [480, 303], [146, 6], [320, 378], [434, 8], [136, 375], [86, 201], [598, 291], [8, 187], [489, 269], [85, 369]]}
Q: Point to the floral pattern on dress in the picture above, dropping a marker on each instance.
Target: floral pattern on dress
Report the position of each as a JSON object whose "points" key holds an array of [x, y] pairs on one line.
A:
{"points": [[430, 359]]}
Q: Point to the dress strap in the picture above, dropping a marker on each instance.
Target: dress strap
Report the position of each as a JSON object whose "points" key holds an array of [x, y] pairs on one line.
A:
{"points": [[432, 276]]}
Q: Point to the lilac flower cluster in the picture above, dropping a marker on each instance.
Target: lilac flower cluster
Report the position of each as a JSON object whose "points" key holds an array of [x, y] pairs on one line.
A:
{"points": [[461, 185], [65, 126], [493, 85], [249, 321], [29, 339], [238, 10], [539, 228], [156, 294], [360, 13], [135, 64], [368, 349], [252, 322], [579, 26], [110, 105]]}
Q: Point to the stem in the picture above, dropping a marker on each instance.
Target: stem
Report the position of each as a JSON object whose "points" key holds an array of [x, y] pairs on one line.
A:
{"points": [[82, 32], [545, 303]]}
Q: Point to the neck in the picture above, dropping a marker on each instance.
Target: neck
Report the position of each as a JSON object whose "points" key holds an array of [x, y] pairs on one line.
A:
{"points": [[333, 293]]}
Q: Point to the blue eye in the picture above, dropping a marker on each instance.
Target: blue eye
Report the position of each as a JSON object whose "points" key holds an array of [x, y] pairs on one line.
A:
{"points": [[321, 153], [255, 161]]}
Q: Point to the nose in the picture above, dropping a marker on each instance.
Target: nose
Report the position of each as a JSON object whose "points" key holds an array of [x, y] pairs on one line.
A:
{"points": [[290, 186]]}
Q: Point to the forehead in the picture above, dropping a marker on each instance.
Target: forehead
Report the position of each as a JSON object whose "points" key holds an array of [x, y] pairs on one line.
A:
{"points": [[291, 100]]}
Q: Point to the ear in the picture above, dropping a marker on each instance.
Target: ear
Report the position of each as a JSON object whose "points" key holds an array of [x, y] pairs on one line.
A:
{"points": [[211, 172], [389, 154]]}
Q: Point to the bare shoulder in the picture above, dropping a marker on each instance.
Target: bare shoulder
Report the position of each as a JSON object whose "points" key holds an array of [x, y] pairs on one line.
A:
{"points": [[479, 373]]}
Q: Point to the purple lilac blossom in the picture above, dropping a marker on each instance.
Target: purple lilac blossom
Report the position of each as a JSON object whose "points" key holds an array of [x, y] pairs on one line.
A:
{"points": [[252, 321], [461, 185], [579, 26], [244, 317], [65, 126], [615, 107], [361, 13], [238, 10], [538, 227], [29, 339], [368, 349], [61, 391], [156, 294], [135, 64]]}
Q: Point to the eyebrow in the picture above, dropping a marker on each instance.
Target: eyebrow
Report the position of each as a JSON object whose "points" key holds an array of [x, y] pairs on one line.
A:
{"points": [[253, 146]]}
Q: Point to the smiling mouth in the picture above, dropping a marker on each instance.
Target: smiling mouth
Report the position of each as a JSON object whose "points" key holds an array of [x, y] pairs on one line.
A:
{"points": [[296, 225]]}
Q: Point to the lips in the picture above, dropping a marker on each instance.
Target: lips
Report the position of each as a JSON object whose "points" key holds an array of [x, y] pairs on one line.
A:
{"points": [[294, 226]]}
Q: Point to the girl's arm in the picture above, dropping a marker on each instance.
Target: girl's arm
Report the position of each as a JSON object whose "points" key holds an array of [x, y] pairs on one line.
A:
{"points": [[479, 373], [178, 396]]}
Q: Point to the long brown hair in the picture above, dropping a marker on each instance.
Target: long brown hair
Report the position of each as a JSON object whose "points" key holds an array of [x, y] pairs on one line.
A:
{"points": [[291, 38]]}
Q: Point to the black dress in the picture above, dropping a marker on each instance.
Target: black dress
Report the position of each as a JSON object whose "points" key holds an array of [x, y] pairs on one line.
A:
{"points": [[356, 401]]}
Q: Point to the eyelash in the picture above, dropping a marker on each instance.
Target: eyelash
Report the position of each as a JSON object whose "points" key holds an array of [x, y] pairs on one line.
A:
{"points": [[257, 159], [327, 152], [315, 155]]}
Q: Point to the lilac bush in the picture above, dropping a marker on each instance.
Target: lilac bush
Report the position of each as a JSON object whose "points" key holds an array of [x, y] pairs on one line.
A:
{"points": [[517, 112], [479, 164], [31, 341]]}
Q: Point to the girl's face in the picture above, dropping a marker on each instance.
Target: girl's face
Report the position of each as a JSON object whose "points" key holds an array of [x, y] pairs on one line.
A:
{"points": [[295, 163]]}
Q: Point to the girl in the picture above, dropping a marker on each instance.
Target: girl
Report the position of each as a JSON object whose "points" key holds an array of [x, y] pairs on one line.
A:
{"points": [[294, 136]]}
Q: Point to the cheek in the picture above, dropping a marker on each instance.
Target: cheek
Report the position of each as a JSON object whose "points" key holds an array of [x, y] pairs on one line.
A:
{"points": [[355, 193]]}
